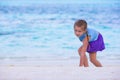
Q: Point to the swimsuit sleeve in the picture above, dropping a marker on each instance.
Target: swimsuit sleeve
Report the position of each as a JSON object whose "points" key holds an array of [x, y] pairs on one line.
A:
{"points": [[81, 38]]}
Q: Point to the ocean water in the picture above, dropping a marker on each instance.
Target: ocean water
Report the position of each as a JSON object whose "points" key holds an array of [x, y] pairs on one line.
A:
{"points": [[45, 31]]}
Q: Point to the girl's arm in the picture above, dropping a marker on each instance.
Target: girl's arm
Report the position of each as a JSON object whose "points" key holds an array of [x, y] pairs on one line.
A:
{"points": [[84, 46]]}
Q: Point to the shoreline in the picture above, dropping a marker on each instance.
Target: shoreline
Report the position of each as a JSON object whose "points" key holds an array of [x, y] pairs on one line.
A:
{"points": [[54, 62]]}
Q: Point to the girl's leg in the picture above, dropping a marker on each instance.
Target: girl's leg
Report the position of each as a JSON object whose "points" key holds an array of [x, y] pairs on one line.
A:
{"points": [[83, 59], [94, 60]]}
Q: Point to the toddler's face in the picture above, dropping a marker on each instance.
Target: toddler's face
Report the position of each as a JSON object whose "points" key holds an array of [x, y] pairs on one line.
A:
{"points": [[78, 31]]}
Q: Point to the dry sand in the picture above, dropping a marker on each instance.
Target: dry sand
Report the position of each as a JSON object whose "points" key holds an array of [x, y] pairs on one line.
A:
{"points": [[57, 70]]}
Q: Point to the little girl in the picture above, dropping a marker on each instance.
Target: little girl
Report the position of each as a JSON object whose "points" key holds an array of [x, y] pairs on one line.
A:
{"points": [[92, 42]]}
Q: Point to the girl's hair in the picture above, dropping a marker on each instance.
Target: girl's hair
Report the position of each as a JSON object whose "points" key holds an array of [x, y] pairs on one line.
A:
{"points": [[81, 23]]}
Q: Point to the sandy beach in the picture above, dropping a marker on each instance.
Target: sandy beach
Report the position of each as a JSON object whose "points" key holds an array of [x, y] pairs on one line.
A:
{"points": [[57, 70]]}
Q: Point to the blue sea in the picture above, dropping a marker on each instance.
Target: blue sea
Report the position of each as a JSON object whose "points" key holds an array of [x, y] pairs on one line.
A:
{"points": [[45, 30]]}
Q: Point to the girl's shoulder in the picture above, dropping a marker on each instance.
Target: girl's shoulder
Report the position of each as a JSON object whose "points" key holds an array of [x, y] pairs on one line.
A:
{"points": [[92, 33], [91, 29]]}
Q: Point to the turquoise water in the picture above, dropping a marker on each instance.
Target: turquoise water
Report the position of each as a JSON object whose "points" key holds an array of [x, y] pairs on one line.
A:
{"points": [[46, 32]]}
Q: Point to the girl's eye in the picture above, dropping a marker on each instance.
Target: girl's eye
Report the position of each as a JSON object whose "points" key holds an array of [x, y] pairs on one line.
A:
{"points": [[77, 31]]}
